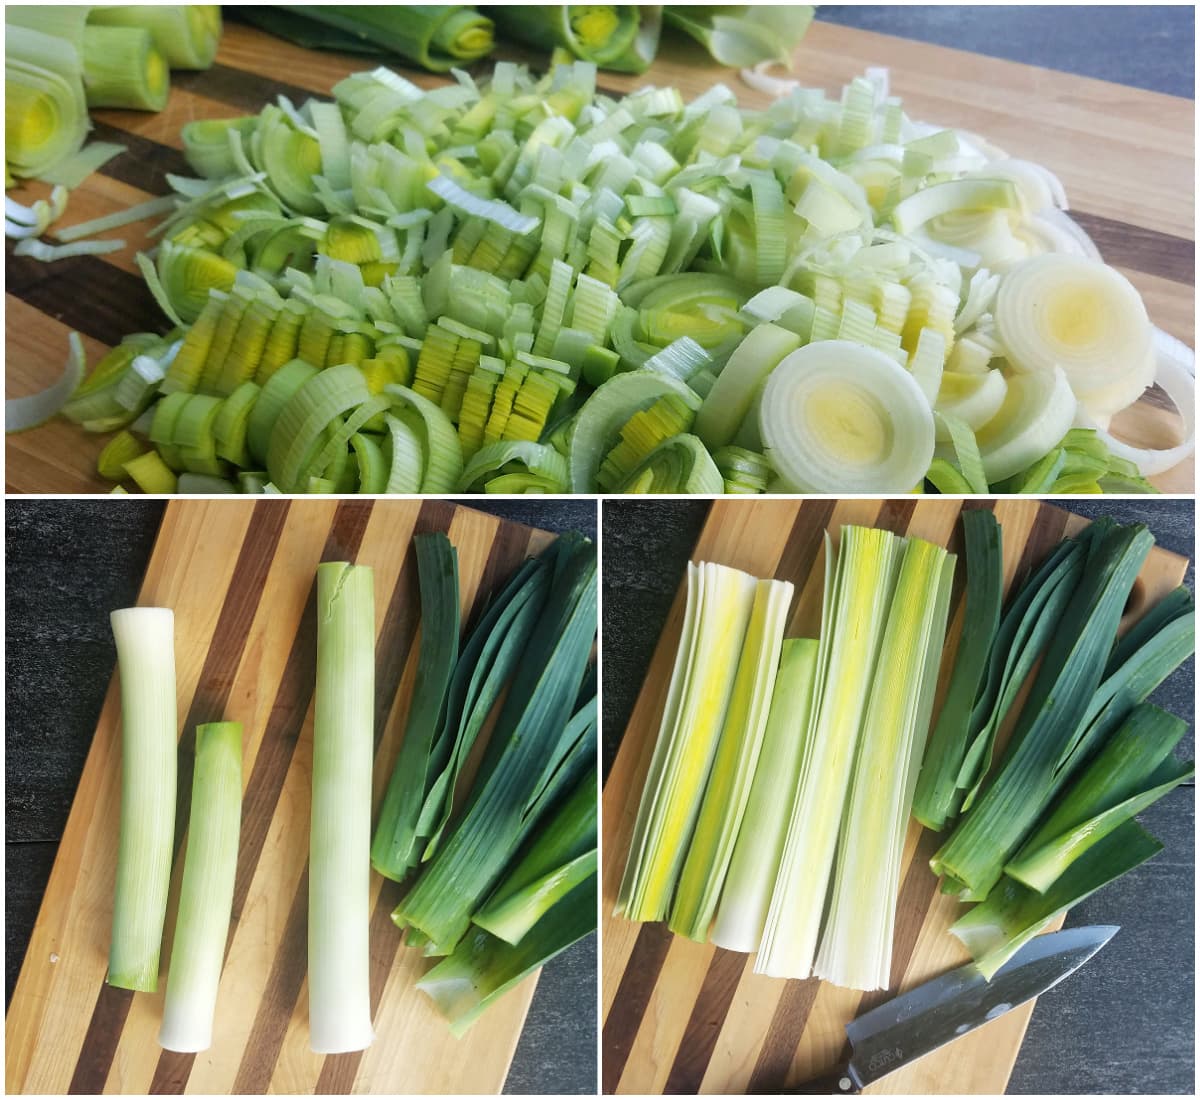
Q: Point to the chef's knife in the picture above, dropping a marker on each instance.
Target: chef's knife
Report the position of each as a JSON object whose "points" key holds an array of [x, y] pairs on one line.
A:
{"points": [[911, 1025]]}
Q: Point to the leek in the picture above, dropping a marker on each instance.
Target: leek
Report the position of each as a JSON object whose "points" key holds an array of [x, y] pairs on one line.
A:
{"points": [[742, 913], [206, 897], [339, 869], [122, 68], [145, 638], [621, 37], [397, 844], [934, 801], [187, 35], [728, 789], [719, 605], [744, 36], [45, 113]]}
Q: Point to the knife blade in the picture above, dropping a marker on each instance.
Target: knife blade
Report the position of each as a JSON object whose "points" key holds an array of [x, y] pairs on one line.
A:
{"points": [[910, 1026]]}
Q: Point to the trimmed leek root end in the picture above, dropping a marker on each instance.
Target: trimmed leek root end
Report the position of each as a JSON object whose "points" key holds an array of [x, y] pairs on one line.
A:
{"points": [[339, 994], [145, 639]]}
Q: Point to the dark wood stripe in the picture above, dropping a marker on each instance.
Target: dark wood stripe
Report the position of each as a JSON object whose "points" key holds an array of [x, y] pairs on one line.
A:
{"points": [[144, 164], [100, 1042], [783, 1036], [633, 996], [1134, 246], [704, 1024], [85, 293], [240, 88], [804, 542], [1049, 527], [896, 514], [211, 700], [288, 971]]}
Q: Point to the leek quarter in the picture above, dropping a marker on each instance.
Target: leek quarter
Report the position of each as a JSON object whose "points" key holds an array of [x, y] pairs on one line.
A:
{"points": [[206, 898], [339, 871], [145, 638]]}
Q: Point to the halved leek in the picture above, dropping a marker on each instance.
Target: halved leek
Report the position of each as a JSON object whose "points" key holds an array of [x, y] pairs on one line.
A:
{"points": [[145, 638]]}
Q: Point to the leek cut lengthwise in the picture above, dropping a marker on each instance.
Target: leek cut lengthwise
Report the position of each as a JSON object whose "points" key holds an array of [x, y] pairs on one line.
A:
{"points": [[742, 913], [737, 756], [717, 615], [206, 898], [145, 638], [339, 872]]}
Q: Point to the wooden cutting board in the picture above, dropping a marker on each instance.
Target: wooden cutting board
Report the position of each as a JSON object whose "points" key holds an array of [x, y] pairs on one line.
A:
{"points": [[683, 1017], [241, 578], [1124, 155]]}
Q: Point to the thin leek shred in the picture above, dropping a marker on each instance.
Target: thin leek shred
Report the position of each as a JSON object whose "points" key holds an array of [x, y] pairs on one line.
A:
{"points": [[742, 912], [398, 843], [542, 743], [339, 874], [638, 285], [728, 789], [720, 602], [21, 413], [145, 638], [206, 897], [1040, 758], [935, 802]]}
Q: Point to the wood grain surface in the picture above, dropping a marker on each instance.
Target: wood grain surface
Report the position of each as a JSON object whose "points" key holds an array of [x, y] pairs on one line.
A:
{"points": [[1125, 156], [241, 578], [684, 1017]]}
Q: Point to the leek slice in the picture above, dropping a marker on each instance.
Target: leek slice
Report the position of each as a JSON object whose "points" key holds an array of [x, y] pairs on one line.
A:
{"points": [[22, 413], [680, 464], [621, 37], [339, 868], [539, 466], [145, 638], [933, 800], [742, 913], [122, 68], [737, 755], [972, 398], [719, 605], [45, 115], [837, 417], [856, 943], [32, 221], [1037, 412], [742, 37], [206, 897], [398, 842], [1013, 914], [187, 35]]}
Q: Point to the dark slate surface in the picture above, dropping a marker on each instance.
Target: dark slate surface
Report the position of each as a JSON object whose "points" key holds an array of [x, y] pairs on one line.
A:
{"points": [[1148, 46], [68, 564], [1125, 1023]]}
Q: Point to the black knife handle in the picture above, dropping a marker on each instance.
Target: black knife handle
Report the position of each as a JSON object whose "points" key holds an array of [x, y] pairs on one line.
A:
{"points": [[837, 1081]]}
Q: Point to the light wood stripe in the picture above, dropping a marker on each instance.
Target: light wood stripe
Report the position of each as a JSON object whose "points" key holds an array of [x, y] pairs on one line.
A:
{"points": [[240, 576], [684, 1017]]}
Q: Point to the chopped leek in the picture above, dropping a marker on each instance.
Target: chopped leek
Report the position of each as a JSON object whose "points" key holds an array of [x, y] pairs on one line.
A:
{"points": [[187, 35], [622, 37], [21, 413], [339, 869], [45, 114], [122, 68], [744, 36], [206, 897], [145, 638]]}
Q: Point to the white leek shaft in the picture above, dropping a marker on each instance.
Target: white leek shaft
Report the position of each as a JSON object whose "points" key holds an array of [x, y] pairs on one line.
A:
{"points": [[339, 914], [206, 898], [145, 638]]}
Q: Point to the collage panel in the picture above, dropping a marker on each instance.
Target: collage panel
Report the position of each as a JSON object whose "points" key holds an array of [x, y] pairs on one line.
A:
{"points": [[331, 689], [784, 683]]}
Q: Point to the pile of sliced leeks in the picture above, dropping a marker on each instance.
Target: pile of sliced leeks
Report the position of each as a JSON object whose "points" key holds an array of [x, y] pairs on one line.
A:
{"points": [[498, 854], [526, 286], [774, 815]]}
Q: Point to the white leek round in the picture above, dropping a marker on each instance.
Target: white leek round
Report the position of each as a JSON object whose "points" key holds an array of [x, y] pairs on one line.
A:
{"points": [[971, 398], [1038, 411], [838, 417]]}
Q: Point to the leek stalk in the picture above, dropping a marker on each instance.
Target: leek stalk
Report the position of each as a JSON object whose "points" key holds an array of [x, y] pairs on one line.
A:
{"points": [[206, 897], [145, 638], [620, 37], [339, 875], [187, 35]]}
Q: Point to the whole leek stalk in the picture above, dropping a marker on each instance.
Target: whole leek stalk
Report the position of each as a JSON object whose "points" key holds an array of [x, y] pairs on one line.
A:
{"points": [[145, 638], [339, 870], [187, 35], [206, 897], [438, 37], [123, 68], [45, 113], [620, 37], [542, 742]]}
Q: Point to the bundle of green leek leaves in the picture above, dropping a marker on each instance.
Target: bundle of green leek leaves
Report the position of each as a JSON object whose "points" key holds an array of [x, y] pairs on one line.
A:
{"points": [[526, 286], [774, 813], [61, 60], [1052, 820], [617, 37]]}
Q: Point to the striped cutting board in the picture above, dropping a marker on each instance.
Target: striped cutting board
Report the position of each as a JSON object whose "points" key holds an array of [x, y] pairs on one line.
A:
{"points": [[682, 1017], [240, 576], [1099, 137]]}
